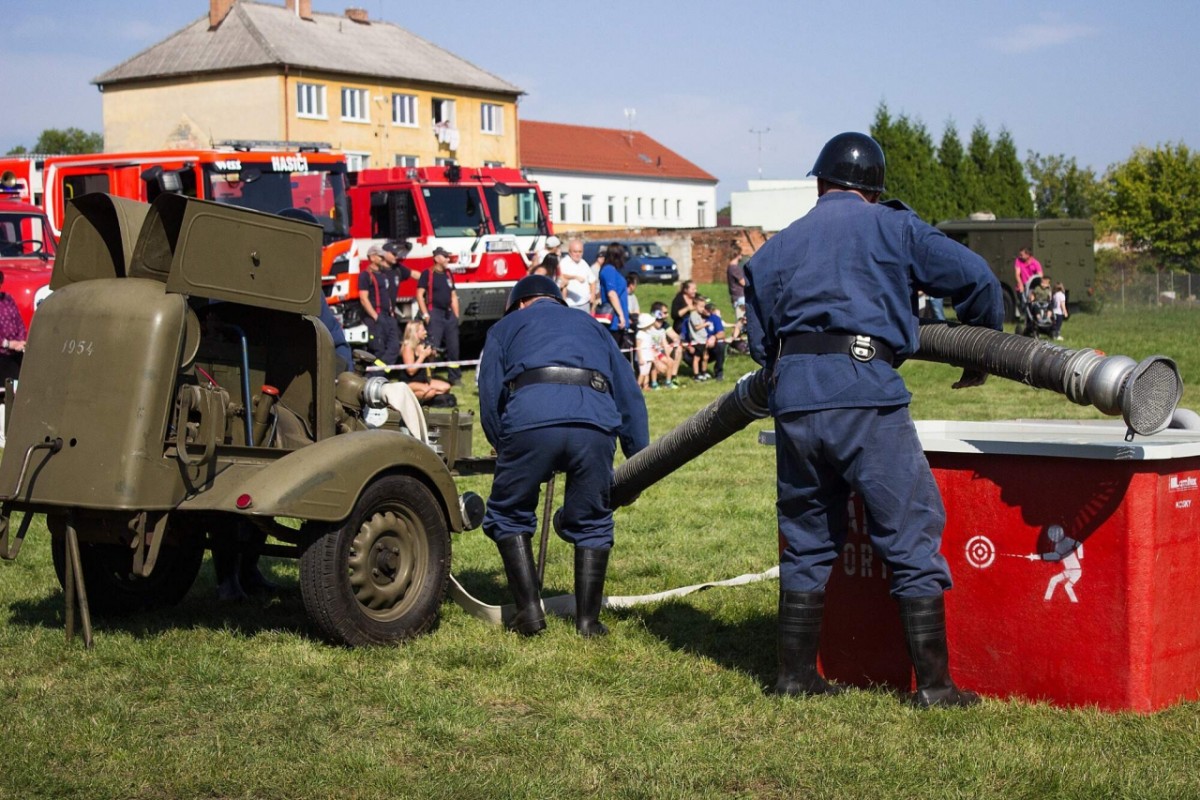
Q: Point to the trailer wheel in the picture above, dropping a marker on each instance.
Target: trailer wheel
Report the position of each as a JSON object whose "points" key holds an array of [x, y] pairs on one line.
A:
{"points": [[380, 575], [112, 588]]}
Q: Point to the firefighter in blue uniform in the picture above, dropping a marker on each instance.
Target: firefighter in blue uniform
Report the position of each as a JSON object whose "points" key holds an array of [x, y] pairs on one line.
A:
{"points": [[553, 391], [831, 307]]}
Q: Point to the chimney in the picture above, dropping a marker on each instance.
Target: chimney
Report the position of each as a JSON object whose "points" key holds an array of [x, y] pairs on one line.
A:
{"points": [[217, 11], [357, 15], [301, 8]]}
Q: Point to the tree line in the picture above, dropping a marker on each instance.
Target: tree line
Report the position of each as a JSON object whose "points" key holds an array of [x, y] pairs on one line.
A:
{"points": [[1151, 200]]}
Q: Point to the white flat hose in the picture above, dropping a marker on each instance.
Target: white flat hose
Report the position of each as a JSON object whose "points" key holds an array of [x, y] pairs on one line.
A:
{"points": [[564, 604]]}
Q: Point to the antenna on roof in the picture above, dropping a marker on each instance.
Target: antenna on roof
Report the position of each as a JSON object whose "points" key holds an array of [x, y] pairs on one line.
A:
{"points": [[759, 134], [630, 115]]}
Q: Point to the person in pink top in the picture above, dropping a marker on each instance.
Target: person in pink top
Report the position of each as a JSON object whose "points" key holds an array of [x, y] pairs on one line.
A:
{"points": [[1025, 267]]}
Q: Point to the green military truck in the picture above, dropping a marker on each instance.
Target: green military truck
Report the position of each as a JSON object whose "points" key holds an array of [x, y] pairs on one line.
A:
{"points": [[1063, 246]]}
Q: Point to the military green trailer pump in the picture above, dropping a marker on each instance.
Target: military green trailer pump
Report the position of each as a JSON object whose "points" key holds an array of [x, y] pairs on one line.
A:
{"points": [[177, 386]]}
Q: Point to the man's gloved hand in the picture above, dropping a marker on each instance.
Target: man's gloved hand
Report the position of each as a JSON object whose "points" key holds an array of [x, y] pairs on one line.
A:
{"points": [[970, 377]]}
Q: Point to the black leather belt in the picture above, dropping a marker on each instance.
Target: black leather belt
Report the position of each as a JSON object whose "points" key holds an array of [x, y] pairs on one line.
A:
{"points": [[572, 376], [861, 348]]}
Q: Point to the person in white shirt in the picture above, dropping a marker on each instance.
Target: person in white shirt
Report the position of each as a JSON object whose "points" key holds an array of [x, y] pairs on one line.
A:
{"points": [[576, 280]]}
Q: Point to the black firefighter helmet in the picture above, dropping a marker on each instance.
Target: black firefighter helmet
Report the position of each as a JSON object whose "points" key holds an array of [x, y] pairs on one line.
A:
{"points": [[853, 160], [533, 286]]}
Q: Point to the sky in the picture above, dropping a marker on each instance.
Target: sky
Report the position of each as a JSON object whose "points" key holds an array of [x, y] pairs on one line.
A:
{"points": [[743, 88]]}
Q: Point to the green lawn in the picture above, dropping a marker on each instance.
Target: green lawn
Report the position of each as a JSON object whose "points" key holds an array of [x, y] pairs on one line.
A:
{"points": [[214, 700]]}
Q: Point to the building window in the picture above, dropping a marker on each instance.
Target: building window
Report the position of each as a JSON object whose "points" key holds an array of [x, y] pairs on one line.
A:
{"points": [[639, 208], [612, 209], [443, 111], [587, 208], [678, 209], [404, 110], [562, 208], [310, 100], [700, 214], [652, 208], [493, 164], [406, 161], [626, 210], [666, 208], [354, 105], [357, 161], [491, 118], [444, 162]]}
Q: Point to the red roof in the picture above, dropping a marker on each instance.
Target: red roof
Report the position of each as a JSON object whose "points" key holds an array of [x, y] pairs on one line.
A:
{"points": [[608, 151]]}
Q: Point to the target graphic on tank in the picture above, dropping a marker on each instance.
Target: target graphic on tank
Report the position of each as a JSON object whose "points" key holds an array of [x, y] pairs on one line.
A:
{"points": [[980, 552]]}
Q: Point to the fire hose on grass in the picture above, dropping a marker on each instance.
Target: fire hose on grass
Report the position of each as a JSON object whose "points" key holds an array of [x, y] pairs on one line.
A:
{"points": [[1145, 394]]}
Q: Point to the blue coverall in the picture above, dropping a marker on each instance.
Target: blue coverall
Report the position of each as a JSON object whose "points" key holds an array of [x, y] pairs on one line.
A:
{"points": [[544, 428], [853, 267]]}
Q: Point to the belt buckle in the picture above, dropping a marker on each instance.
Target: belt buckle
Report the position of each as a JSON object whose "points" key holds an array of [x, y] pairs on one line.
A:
{"points": [[599, 382], [862, 349]]}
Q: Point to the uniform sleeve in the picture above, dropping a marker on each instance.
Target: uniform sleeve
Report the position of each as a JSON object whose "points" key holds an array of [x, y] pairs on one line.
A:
{"points": [[946, 268], [760, 340], [490, 375], [634, 432]]}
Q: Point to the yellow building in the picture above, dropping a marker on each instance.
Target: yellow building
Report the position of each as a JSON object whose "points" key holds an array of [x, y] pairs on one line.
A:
{"points": [[259, 71]]}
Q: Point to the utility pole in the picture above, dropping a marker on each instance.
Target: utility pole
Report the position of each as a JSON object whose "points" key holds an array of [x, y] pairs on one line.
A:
{"points": [[759, 134]]}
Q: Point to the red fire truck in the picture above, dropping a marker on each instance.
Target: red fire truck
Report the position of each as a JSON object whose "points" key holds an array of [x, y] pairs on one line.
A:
{"points": [[491, 219], [27, 248], [305, 180]]}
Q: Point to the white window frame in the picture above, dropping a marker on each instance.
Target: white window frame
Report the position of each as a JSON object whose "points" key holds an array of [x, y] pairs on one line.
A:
{"points": [[407, 161], [355, 105], [491, 119], [357, 160], [444, 162], [493, 164], [586, 210], [404, 110], [612, 209], [562, 206], [310, 101], [701, 208]]}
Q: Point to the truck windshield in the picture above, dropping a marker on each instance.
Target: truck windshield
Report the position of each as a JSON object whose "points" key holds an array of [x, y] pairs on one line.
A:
{"points": [[317, 195], [516, 211], [454, 210], [24, 235]]}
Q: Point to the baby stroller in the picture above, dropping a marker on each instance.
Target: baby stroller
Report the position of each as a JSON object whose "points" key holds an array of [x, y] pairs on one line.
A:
{"points": [[1036, 310]]}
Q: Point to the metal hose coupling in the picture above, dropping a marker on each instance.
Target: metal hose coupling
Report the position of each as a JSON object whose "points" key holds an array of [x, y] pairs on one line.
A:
{"points": [[1145, 394]]}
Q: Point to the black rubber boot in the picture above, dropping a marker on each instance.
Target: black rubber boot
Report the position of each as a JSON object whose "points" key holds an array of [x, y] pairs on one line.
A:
{"points": [[591, 565], [517, 555], [225, 567], [249, 575], [924, 621], [799, 637]]}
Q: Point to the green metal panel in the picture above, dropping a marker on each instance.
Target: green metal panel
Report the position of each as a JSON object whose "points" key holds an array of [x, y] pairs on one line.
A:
{"points": [[101, 364], [99, 235]]}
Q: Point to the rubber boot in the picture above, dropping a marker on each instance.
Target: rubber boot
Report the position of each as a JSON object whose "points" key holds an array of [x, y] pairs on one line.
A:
{"points": [[225, 567], [799, 637], [517, 555], [590, 568], [924, 621]]}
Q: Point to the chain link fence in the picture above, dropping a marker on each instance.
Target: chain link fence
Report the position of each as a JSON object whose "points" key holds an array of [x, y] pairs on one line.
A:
{"points": [[1123, 287]]}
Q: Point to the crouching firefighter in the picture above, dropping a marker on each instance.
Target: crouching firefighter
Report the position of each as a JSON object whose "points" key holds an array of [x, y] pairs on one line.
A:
{"points": [[553, 391], [830, 305]]}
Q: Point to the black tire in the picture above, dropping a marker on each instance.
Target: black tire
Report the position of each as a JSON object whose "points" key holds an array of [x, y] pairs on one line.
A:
{"points": [[380, 575], [112, 588]]}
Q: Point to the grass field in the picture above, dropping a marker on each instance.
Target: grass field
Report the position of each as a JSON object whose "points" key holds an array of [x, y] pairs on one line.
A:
{"points": [[243, 700]]}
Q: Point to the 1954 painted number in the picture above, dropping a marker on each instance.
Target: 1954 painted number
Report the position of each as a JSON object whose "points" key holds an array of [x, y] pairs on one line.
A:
{"points": [[77, 347]]}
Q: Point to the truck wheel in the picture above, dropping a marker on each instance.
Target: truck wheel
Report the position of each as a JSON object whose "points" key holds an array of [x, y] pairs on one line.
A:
{"points": [[111, 586], [380, 575]]}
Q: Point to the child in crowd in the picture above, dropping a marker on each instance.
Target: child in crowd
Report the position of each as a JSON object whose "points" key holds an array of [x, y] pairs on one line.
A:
{"points": [[645, 351], [714, 340], [696, 343], [1059, 303], [667, 347]]}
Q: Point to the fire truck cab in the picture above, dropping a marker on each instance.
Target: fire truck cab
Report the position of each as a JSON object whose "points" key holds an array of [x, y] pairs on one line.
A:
{"points": [[27, 248], [491, 219], [301, 180]]}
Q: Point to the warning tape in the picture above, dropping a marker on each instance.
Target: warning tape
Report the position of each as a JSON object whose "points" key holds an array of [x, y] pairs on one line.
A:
{"points": [[564, 604]]}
